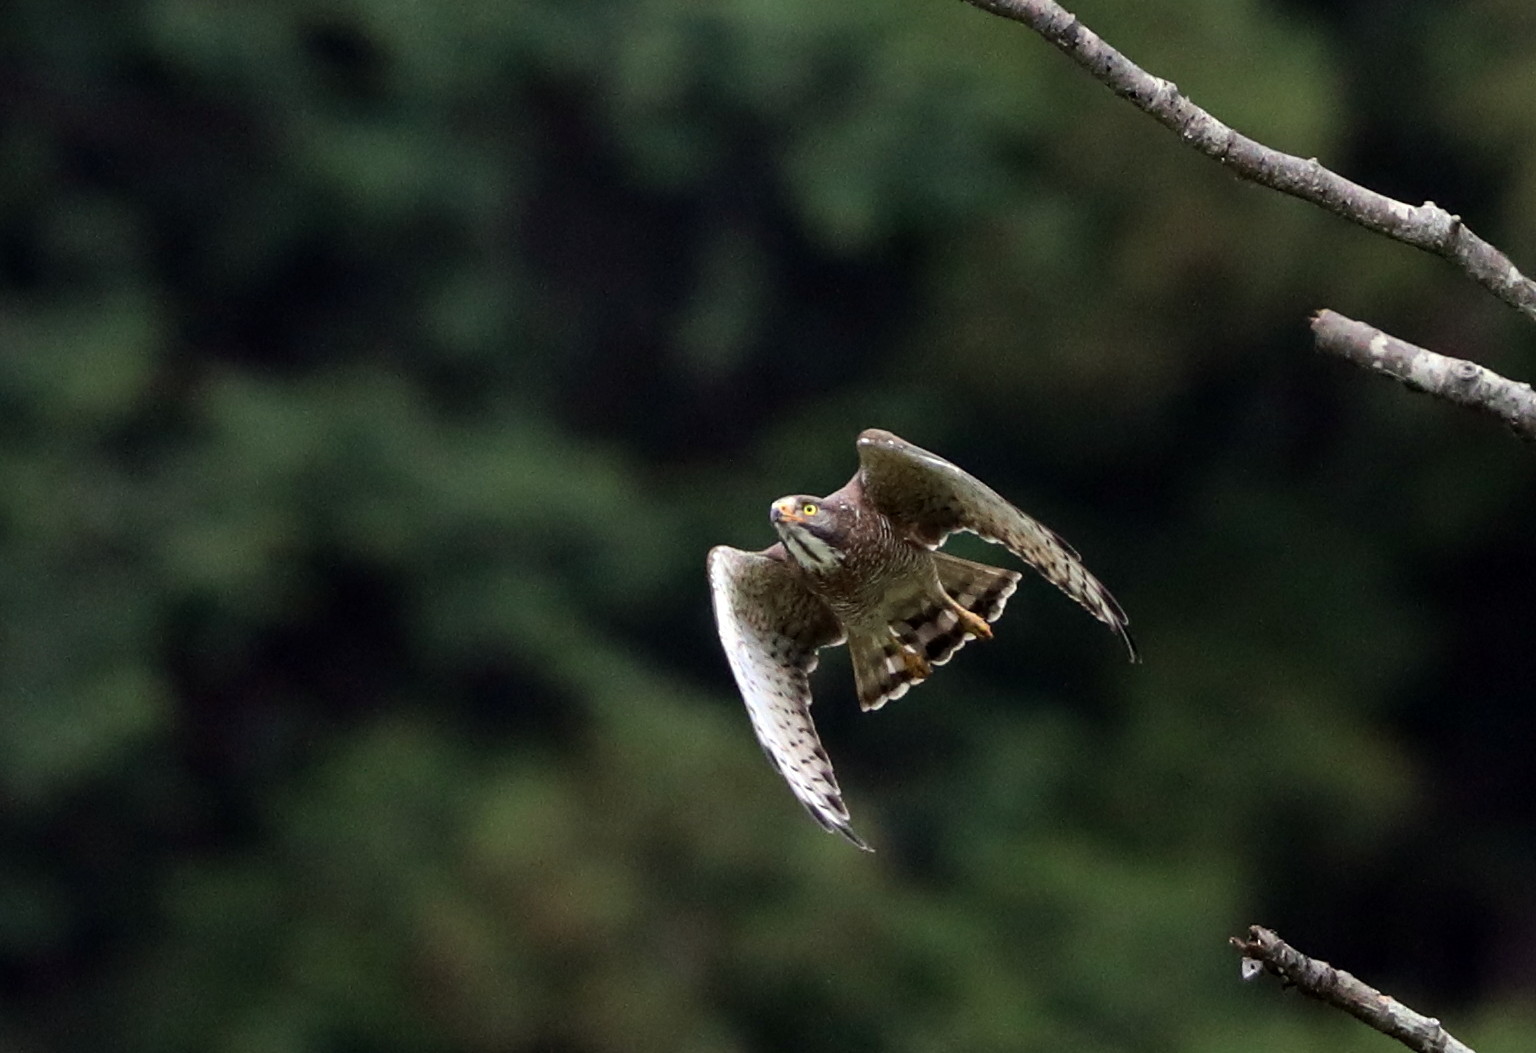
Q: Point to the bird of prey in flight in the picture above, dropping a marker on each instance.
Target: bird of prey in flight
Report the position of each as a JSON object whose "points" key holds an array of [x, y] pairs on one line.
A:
{"points": [[861, 566]]}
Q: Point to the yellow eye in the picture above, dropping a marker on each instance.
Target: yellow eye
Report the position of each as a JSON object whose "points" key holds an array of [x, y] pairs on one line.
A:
{"points": [[808, 509]]}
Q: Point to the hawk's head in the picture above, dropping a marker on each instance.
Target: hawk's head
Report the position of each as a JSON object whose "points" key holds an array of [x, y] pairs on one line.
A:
{"points": [[814, 531]]}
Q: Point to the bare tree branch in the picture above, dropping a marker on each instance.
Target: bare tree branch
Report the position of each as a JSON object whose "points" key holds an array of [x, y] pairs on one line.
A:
{"points": [[1342, 991], [1426, 226], [1453, 379]]}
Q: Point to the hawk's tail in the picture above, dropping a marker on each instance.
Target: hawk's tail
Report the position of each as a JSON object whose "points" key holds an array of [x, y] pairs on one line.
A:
{"points": [[885, 666]]}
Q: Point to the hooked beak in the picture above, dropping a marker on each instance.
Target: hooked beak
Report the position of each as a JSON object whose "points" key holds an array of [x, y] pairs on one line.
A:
{"points": [[784, 512]]}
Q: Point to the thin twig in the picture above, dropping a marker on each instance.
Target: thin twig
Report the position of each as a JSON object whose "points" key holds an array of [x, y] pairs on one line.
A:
{"points": [[1426, 226], [1453, 379], [1342, 991]]}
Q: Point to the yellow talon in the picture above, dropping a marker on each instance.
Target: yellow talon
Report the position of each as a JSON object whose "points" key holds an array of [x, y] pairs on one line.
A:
{"points": [[974, 624], [916, 664]]}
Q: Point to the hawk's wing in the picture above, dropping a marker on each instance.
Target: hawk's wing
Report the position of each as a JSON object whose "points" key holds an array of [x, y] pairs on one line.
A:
{"points": [[770, 626], [930, 498]]}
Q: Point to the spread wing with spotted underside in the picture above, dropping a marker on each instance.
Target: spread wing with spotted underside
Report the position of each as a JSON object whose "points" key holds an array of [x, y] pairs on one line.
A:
{"points": [[930, 498], [771, 626]]}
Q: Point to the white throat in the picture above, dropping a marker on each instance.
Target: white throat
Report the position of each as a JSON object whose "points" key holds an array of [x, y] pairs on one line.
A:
{"points": [[809, 551]]}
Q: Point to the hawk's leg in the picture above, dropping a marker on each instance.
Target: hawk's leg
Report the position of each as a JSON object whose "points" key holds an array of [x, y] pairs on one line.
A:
{"points": [[970, 622], [916, 664]]}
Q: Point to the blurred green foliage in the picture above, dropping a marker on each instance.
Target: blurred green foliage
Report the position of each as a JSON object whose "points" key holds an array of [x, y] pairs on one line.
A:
{"points": [[375, 375]]}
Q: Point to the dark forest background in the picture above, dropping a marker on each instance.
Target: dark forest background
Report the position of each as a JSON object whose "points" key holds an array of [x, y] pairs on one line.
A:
{"points": [[374, 376]]}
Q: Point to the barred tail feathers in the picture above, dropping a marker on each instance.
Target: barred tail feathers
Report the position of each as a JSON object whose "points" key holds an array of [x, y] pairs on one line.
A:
{"points": [[885, 667], [978, 587], [935, 632]]}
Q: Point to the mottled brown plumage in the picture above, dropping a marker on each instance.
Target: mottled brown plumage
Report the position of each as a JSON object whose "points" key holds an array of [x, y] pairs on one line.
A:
{"points": [[861, 566]]}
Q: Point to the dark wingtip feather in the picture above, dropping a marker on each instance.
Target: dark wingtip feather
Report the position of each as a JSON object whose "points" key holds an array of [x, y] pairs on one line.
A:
{"points": [[854, 839], [832, 824], [1130, 645], [1112, 614]]}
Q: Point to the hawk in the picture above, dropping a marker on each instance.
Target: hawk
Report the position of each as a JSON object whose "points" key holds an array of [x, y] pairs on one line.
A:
{"points": [[861, 566]]}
